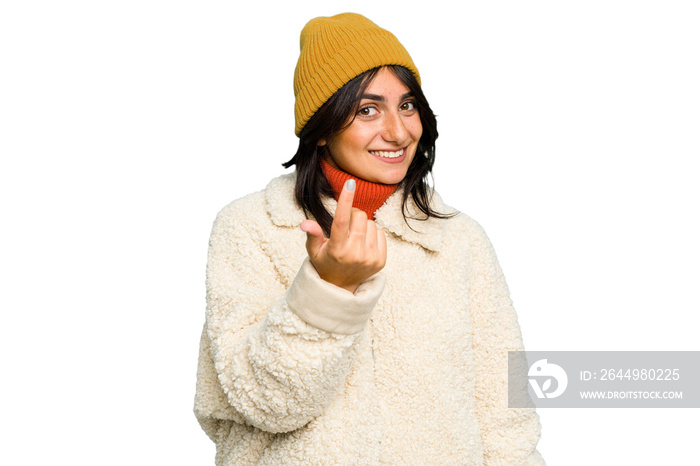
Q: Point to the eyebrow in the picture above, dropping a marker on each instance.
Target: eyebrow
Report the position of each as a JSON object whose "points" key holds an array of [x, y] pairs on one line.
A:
{"points": [[380, 98]]}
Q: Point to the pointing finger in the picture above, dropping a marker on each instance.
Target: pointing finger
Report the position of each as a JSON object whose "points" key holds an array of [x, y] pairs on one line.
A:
{"points": [[343, 212]]}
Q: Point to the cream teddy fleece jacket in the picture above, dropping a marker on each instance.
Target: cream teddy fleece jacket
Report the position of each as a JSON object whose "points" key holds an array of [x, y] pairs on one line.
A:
{"points": [[409, 369]]}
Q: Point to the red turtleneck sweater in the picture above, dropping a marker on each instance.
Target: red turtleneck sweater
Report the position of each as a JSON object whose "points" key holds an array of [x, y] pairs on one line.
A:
{"points": [[369, 196]]}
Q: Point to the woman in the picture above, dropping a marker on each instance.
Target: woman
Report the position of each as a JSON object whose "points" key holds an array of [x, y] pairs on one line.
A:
{"points": [[381, 334]]}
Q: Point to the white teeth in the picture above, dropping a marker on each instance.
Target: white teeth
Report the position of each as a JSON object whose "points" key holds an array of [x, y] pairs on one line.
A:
{"points": [[388, 155]]}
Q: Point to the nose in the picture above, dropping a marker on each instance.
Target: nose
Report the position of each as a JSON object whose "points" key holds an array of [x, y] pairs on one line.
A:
{"points": [[394, 128]]}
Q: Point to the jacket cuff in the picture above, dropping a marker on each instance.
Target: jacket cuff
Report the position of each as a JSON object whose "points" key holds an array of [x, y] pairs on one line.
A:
{"points": [[329, 307]]}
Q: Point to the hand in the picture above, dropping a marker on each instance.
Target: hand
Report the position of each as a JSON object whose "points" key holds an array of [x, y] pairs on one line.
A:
{"points": [[355, 251]]}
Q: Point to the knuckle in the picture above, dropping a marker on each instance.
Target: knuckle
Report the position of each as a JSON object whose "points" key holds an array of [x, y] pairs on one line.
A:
{"points": [[359, 214], [336, 252]]}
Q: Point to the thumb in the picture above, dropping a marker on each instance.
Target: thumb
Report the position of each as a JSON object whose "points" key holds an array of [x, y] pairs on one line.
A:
{"points": [[314, 236]]}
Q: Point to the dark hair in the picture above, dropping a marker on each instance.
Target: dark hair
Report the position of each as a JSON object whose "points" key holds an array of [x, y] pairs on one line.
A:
{"points": [[337, 114]]}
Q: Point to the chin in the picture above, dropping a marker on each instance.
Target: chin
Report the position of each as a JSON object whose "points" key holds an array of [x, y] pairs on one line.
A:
{"points": [[391, 179]]}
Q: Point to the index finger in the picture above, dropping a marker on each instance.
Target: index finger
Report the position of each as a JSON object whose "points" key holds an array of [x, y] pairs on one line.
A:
{"points": [[343, 212]]}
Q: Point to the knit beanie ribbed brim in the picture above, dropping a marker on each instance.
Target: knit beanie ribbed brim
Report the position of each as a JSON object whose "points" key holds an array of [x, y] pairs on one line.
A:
{"points": [[336, 49]]}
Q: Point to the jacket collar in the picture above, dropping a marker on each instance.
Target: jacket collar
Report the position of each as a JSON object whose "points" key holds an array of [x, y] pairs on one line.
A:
{"points": [[283, 211]]}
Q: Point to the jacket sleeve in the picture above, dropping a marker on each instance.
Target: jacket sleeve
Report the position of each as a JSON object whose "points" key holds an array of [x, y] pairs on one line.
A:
{"points": [[271, 357], [509, 435]]}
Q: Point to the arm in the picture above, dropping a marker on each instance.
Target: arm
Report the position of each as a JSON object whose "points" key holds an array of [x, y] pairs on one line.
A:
{"points": [[509, 435], [261, 362]]}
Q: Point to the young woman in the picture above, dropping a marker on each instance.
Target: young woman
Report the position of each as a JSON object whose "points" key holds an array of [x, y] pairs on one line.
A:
{"points": [[379, 332]]}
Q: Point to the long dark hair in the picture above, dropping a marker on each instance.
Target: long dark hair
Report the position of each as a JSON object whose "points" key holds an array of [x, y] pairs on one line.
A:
{"points": [[336, 115]]}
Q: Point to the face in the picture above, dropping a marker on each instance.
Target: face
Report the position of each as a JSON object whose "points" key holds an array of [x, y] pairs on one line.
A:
{"points": [[381, 142]]}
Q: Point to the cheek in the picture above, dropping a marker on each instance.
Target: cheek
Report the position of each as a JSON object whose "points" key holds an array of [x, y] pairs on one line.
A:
{"points": [[415, 127], [356, 140]]}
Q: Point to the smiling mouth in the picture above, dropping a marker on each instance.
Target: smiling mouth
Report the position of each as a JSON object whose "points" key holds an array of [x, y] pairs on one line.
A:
{"points": [[388, 154]]}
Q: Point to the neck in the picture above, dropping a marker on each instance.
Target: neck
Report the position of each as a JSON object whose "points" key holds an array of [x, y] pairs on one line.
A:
{"points": [[369, 196]]}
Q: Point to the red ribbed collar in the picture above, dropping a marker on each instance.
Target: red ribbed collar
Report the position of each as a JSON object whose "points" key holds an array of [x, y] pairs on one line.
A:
{"points": [[369, 196]]}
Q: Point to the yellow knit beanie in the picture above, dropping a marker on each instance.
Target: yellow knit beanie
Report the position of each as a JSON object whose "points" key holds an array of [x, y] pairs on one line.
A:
{"points": [[336, 49]]}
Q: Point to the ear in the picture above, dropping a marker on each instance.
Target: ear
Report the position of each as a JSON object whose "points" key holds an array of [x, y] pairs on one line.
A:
{"points": [[321, 142]]}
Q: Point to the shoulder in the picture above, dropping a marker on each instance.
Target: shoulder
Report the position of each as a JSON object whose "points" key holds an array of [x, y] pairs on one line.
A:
{"points": [[241, 213], [459, 223], [259, 234], [433, 233], [258, 215], [463, 224], [462, 228], [274, 203]]}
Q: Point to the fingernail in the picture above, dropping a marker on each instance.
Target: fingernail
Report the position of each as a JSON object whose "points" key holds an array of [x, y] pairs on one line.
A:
{"points": [[350, 185]]}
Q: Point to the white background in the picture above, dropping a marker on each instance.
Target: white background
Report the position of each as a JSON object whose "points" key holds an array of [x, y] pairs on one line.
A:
{"points": [[569, 130]]}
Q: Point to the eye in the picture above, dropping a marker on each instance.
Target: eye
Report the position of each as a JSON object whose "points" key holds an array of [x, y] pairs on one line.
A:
{"points": [[407, 106], [367, 111]]}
